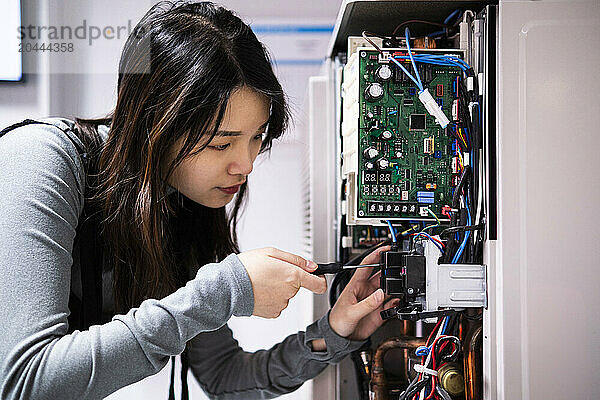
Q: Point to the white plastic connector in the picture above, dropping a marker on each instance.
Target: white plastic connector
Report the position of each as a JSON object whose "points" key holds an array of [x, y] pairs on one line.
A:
{"points": [[455, 110], [384, 57], [347, 242], [470, 84], [433, 108], [471, 105], [422, 370]]}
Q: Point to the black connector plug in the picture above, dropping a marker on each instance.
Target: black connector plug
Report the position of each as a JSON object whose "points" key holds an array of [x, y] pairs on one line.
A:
{"points": [[402, 275]]}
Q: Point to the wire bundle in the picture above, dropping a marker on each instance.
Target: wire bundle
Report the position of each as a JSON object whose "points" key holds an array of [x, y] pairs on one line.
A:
{"points": [[435, 355]]}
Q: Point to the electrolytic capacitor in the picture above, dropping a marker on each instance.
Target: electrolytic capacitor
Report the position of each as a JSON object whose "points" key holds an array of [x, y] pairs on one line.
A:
{"points": [[387, 135], [374, 91], [383, 163], [384, 72], [371, 152]]}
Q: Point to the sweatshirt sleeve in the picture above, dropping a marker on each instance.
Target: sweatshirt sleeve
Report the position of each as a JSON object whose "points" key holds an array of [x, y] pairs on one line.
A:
{"points": [[226, 372], [41, 186]]}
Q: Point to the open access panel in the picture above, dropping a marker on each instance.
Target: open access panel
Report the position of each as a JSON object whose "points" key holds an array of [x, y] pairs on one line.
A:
{"points": [[397, 160]]}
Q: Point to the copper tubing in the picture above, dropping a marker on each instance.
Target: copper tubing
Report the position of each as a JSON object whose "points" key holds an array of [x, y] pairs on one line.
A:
{"points": [[378, 382], [408, 328], [472, 365]]}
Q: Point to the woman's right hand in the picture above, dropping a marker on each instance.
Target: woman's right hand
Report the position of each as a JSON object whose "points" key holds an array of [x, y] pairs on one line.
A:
{"points": [[276, 277]]}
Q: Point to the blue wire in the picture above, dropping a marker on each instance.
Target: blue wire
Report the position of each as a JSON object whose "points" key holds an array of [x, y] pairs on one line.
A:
{"points": [[435, 62], [461, 248], [437, 33], [446, 319], [467, 136], [447, 59], [449, 17], [422, 351], [467, 234], [392, 231], [438, 59], [407, 35]]}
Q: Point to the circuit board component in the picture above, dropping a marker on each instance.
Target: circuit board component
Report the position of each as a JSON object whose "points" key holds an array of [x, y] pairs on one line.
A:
{"points": [[398, 161]]}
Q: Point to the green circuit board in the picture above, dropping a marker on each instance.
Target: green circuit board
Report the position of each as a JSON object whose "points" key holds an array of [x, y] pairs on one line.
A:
{"points": [[405, 157]]}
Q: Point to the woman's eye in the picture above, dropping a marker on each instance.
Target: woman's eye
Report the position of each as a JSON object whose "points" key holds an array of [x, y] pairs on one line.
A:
{"points": [[220, 146], [260, 136]]}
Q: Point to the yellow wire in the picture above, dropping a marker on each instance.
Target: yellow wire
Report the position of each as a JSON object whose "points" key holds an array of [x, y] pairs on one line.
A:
{"points": [[434, 216], [460, 134], [412, 228]]}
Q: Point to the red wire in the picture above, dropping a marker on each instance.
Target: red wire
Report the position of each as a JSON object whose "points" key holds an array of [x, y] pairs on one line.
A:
{"points": [[435, 328], [432, 332], [432, 388], [433, 351], [437, 240], [433, 362]]}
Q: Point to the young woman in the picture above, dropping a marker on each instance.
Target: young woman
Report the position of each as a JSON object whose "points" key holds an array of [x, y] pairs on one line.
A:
{"points": [[116, 249]]}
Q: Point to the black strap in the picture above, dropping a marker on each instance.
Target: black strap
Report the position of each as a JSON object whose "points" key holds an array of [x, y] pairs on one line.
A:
{"points": [[185, 394], [91, 269], [172, 384], [20, 124], [82, 151]]}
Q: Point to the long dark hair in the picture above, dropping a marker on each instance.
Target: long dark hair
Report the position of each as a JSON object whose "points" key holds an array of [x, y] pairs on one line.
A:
{"points": [[178, 69]]}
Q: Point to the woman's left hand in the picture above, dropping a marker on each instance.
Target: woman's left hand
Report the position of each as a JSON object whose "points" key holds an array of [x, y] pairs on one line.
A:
{"points": [[355, 314]]}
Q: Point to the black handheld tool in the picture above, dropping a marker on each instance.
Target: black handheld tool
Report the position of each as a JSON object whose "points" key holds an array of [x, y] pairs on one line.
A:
{"points": [[334, 268]]}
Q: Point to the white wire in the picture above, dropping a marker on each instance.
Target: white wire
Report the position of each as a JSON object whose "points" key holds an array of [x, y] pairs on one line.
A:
{"points": [[439, 333], [468, 13]]}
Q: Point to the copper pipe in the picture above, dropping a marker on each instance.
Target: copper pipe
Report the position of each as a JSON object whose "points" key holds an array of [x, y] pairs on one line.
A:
{"points": [[408, 328], [378, 381], [472, 365]]}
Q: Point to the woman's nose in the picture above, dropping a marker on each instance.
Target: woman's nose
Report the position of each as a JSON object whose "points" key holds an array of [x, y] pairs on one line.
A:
{"points": [[242, 163]]}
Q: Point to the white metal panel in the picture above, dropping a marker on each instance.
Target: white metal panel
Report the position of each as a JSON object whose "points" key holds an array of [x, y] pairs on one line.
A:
{"points": [[547, 255], [322, 199]]}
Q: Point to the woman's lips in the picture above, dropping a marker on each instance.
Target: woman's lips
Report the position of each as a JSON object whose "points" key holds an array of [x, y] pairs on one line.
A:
{"points": [[230, 189]]}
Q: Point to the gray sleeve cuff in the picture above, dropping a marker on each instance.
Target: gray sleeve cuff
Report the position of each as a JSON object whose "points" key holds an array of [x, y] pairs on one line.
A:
{"points": [[338, 347], [245, 305]]}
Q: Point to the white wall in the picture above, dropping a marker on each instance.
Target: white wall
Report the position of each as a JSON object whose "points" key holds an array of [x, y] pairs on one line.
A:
{"points": [[85, 85]]}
